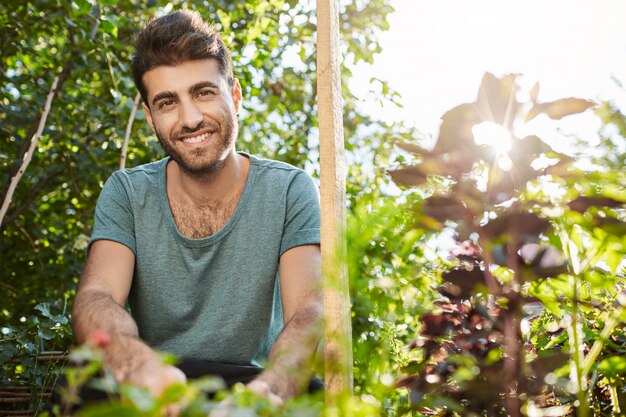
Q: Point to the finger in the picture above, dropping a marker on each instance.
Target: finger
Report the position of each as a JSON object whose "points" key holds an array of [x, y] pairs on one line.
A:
{"points": [[275, 399], [263, 389], [172, 410], [259, 387]]}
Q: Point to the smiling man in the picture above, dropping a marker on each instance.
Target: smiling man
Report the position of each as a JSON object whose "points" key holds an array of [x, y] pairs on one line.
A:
{"points": [[216, 252]]}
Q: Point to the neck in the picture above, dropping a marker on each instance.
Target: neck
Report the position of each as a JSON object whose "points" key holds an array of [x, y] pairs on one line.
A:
{"points": [[218, 185]]}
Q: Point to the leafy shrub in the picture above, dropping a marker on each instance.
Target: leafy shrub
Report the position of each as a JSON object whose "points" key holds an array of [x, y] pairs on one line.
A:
{"points": [[538, 241]]}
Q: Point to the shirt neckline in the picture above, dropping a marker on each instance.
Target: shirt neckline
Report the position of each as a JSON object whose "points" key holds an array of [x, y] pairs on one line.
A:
{"points": [[227, 227]]}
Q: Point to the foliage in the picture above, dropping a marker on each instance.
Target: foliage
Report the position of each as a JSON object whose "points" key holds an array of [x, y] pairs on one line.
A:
{"points": [[539, 241], [558, 294], [34, 341], [86, 43], [192, 399]]}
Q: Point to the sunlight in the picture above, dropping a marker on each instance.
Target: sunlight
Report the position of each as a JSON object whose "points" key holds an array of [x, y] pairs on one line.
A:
{"points": [[493, 135], [435, 54], [498, 138]]}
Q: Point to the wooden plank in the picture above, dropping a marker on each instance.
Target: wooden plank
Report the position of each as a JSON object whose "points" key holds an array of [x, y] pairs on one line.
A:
{"points": [[337, 325]]}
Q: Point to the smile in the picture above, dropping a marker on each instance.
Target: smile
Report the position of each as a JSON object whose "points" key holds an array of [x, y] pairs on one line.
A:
{"points": [[196, 139]]}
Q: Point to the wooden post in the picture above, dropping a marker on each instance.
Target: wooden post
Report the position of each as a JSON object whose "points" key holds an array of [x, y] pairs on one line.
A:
{"points": [[337, 322]]}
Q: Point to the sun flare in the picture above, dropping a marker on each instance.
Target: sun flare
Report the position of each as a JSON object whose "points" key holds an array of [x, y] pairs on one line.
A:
{"points": [[493, 135]]}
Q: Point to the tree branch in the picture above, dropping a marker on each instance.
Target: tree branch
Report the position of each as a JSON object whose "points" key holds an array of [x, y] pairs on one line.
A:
{"points": [[9, 287], [47, 177], [129, 127], [62, 77], [31, 149], [25, 145], [33, 194]]}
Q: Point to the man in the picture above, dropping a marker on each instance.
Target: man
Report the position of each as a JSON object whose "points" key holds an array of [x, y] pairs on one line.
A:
{"points": [[212, 249]]}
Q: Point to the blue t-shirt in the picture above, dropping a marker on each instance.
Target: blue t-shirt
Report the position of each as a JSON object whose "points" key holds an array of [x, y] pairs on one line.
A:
{"points": [[216, 298]]}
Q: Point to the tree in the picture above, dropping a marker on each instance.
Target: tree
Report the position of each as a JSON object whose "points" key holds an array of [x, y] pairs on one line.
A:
{"points": [[85, 46]]}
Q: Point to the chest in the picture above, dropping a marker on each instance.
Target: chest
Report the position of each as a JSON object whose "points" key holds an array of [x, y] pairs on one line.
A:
{"points": [[197, 222]]}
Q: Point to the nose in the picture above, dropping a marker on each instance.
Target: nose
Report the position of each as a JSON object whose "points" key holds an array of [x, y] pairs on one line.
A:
{"points": [[190, 115]]}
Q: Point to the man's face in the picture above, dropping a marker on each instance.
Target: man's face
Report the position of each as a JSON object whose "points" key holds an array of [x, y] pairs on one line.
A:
{"points": [[193, 112]]}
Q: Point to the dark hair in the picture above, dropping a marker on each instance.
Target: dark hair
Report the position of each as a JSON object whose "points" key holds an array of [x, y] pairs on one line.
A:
{"points": [[176, 38]]}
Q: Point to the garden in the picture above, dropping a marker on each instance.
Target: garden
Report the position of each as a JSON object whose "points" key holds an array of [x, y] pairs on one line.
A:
{"points": [[486, 268]]}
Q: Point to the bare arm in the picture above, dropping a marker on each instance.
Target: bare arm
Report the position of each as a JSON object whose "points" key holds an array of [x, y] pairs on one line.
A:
{"points": [[99, 304], [288, 370], [103, 290]]}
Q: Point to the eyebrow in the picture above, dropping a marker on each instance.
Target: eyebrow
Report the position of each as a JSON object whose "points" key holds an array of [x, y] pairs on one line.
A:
{"points": [[203, 84], [164, 95]]}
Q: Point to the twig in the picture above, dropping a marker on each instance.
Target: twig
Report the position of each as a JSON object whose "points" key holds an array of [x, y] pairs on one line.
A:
{"points": [[9, 287], [32, 196], [32, 243], [29, 154], [129, 127]]}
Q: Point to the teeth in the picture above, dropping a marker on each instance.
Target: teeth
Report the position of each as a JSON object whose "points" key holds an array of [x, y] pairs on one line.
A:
{"points": [[196, 139]]}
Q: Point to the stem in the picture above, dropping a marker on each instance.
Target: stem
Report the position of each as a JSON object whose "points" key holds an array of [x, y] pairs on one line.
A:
{"points": [[577, 373], [129, 127], [512, 362], [577, 376], [608, 329], [513, 352]]}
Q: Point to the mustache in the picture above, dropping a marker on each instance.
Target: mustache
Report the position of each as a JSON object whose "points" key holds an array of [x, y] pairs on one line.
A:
{"points": [[202, 126]]}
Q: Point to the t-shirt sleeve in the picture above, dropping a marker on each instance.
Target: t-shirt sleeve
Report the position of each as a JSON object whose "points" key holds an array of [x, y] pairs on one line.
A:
{"points": [[113, 219], [302, 220]]}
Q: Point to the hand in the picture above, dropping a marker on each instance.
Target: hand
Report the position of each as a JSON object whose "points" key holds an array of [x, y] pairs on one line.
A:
{"points": [[257, 386], [156, 377], [133, 362], [264, 389]]}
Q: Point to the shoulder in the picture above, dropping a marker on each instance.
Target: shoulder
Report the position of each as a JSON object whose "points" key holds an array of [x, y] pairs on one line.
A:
{"points": [[280, 168], [278, 171], [152, 169], [140, 176]]}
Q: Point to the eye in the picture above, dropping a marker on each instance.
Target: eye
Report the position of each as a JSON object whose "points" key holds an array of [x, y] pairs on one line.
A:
{"points": [[206, 93], [166, 104]]}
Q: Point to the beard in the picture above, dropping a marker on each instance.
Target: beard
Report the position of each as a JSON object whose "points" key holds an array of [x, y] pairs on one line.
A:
{"points": [[207, 160]]}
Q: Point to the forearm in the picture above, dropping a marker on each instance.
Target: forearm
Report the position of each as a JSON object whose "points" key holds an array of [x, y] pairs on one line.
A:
{"points": [[95, 309], [289, 365], [125, 352]]}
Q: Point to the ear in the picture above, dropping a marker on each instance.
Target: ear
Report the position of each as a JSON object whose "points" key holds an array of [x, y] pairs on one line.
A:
{"points": [[237, 95], [148, 114]]}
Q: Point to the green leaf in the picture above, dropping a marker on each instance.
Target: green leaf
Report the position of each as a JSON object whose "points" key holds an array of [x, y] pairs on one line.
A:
{"points": [[109, 27], [613, 365], [44, 309], [138, 396], [224, 19], [209, 384]]}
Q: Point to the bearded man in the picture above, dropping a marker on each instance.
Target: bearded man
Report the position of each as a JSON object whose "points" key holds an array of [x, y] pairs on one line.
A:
{"points": [[216, 252]]}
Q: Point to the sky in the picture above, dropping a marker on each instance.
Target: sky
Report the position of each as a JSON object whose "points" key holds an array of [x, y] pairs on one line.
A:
{"points": [[437, 51]]}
